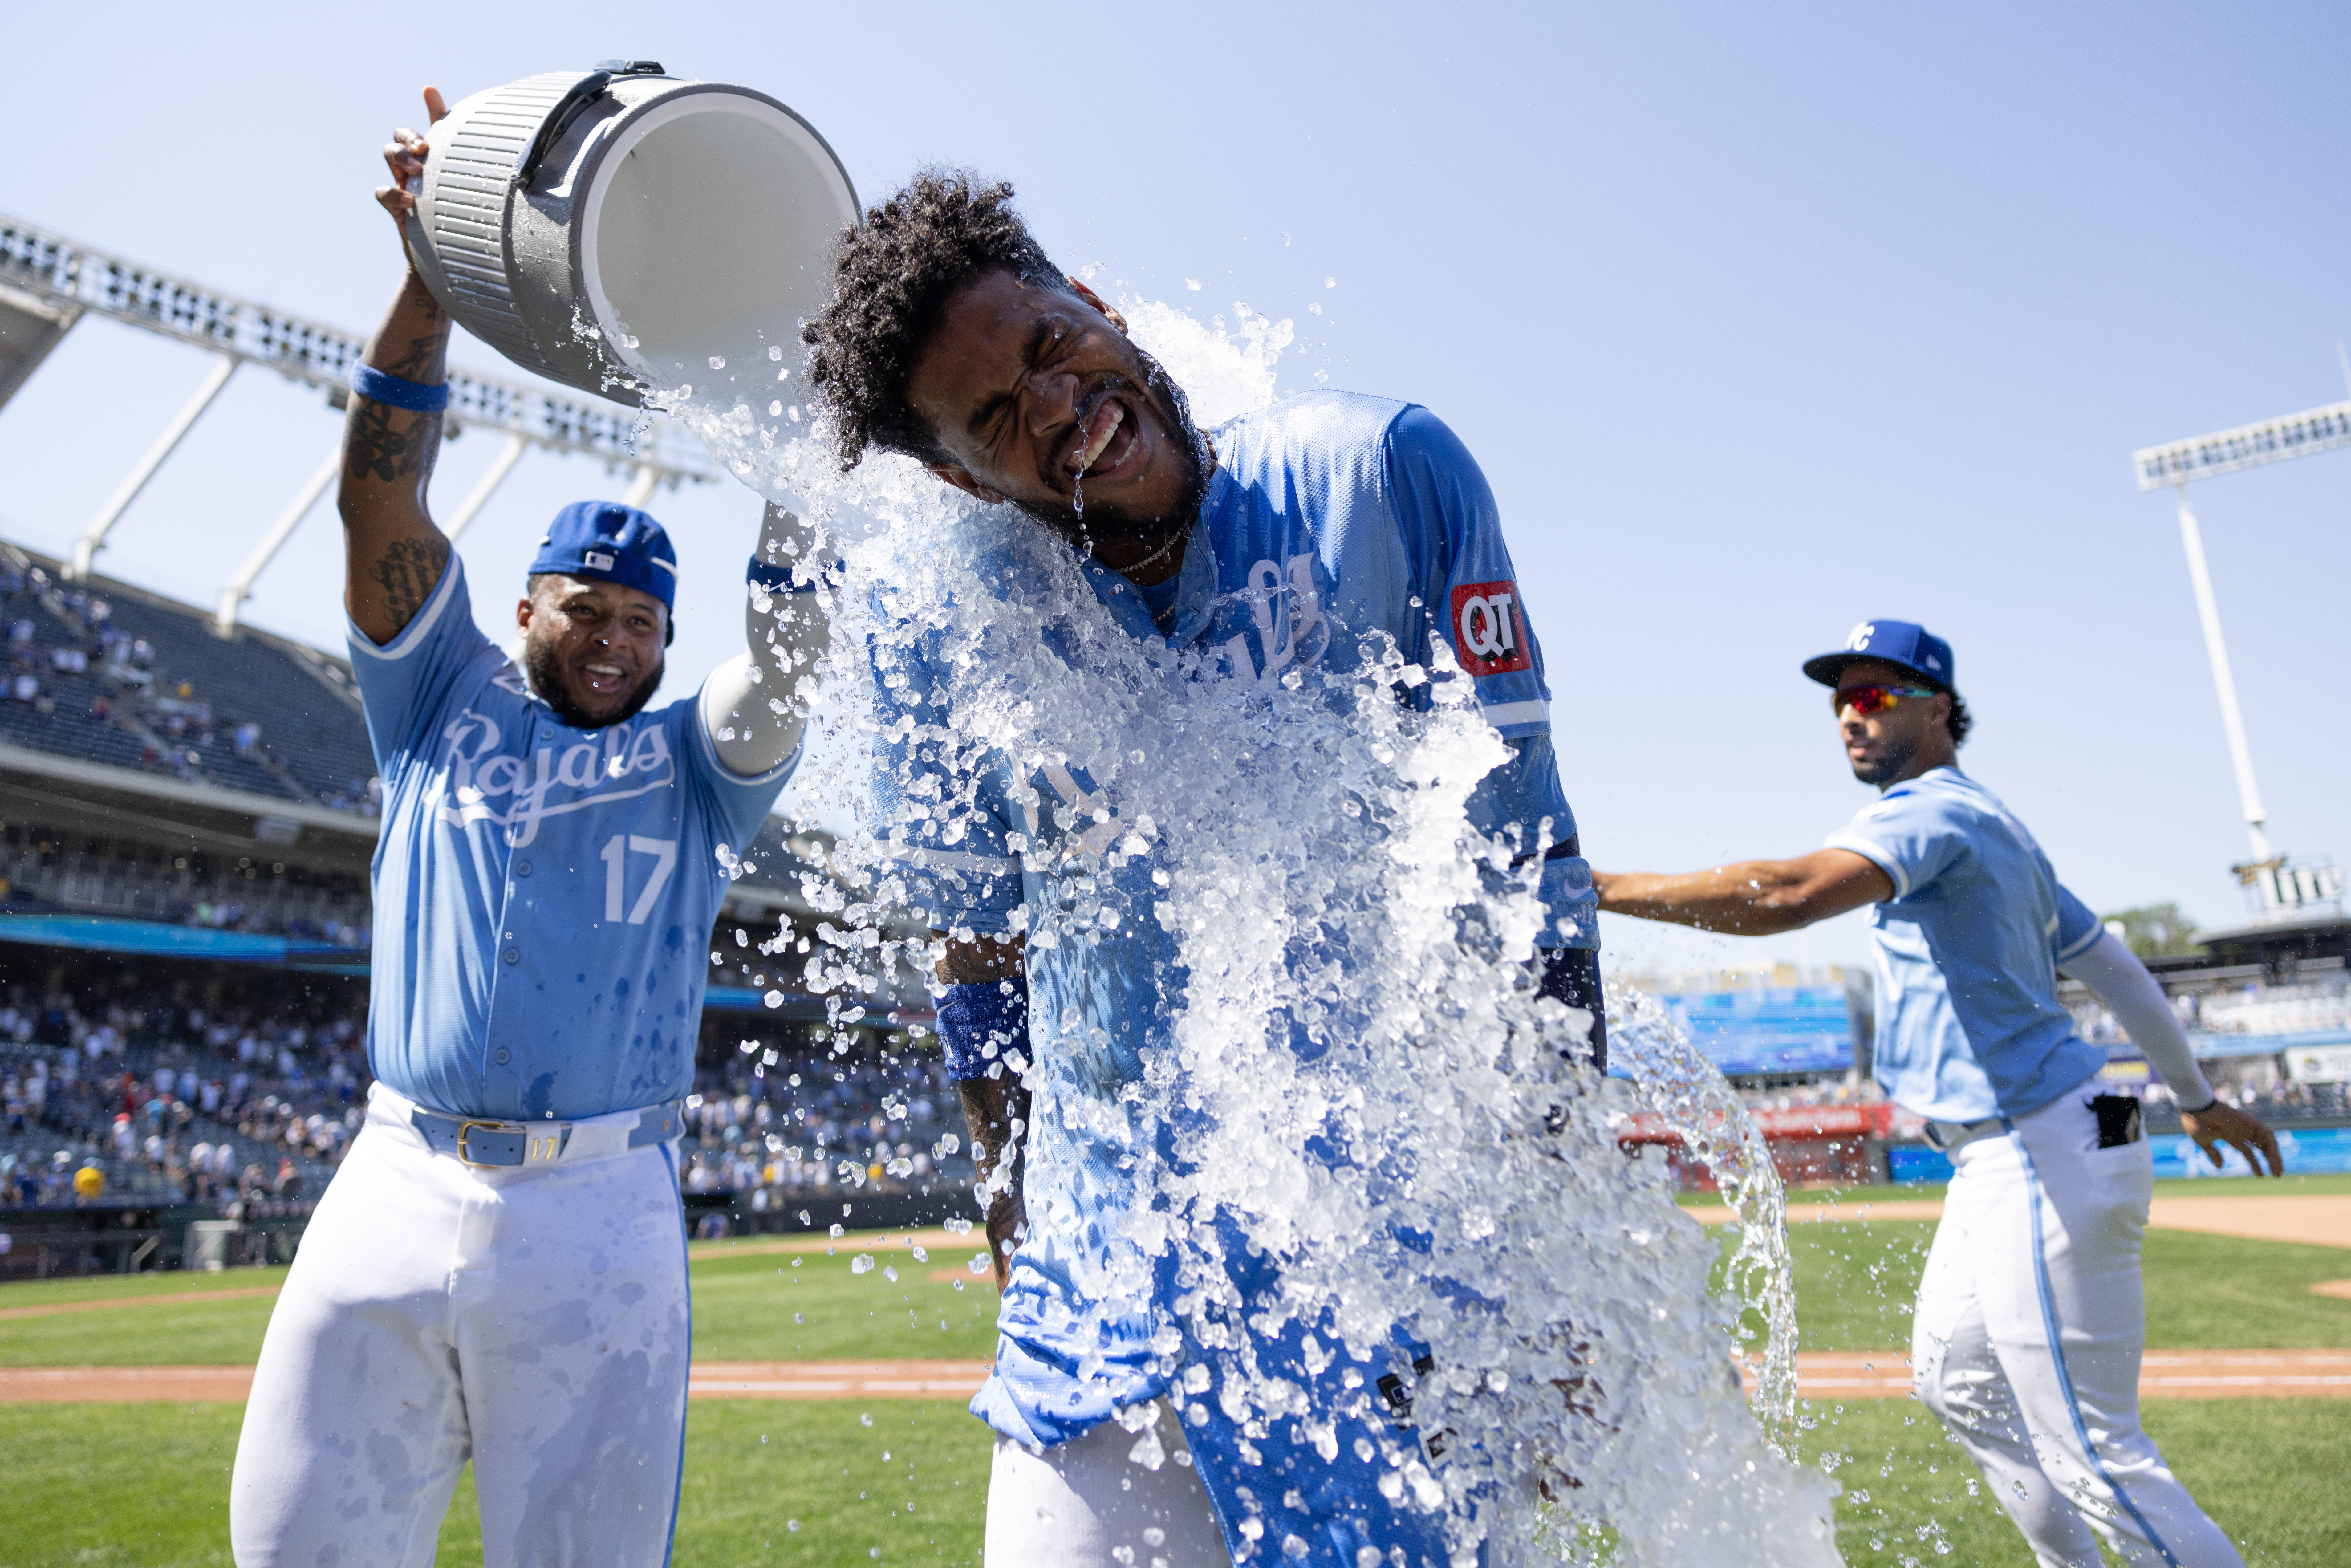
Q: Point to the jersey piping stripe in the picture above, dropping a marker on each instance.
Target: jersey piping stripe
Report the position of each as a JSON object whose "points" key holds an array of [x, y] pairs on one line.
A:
{"points": [[1874, 856], [2087, 940], [1532, 711], [413, 635], [2057, 1348]]}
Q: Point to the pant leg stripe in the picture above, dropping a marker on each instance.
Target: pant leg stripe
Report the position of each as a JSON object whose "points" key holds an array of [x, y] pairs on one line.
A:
{"points": [[2057, 1347], [685, 1261]]}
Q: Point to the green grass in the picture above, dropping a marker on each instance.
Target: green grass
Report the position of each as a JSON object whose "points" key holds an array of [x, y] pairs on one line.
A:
{"points": [[146, 1486], [2325, 1184], [1855, 1285], [745, 1308], [2268, 1471], [115, 1286]]}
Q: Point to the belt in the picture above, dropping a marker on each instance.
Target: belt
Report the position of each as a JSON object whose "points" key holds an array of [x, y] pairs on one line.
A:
{"points": [[487, 1141], [1949, 1136]]}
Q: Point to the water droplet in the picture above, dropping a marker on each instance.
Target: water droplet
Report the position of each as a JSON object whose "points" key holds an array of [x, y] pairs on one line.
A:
{"points": [[717, 361]]}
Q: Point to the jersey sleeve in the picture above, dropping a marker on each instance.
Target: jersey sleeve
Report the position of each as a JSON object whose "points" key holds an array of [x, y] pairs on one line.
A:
{"points": [[737, 803], [1461, 568], [944, 836], [405, 684], [1912, 837], [2077, 929], [1453, 536]]}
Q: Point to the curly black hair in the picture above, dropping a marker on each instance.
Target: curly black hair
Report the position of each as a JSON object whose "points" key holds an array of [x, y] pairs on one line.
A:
{"points": [[1961, 721], [891, 276]]}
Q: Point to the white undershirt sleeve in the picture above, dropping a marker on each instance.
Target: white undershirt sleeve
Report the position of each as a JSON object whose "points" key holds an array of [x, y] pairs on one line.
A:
{"points": [[2114, 974], [786, 633]]}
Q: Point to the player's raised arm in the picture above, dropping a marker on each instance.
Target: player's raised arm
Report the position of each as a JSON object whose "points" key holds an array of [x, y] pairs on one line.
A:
{"points": [[1752, 898], [755, 705], [392, 555]]}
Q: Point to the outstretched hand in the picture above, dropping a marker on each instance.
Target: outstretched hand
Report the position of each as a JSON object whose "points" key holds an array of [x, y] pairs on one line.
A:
{"points": [[404, 156], [2217, 1123]]}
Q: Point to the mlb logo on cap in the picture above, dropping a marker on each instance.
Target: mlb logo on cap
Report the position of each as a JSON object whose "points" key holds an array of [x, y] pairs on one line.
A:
{"points": [[1903, 644]]}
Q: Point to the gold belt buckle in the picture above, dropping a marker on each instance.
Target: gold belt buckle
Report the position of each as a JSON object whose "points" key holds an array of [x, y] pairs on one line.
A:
{"points": [[467, 1159]]}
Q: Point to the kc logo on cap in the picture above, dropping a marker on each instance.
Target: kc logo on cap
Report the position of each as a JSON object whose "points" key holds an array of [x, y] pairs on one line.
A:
{"points": [[1488, 637], [1903, 644]]}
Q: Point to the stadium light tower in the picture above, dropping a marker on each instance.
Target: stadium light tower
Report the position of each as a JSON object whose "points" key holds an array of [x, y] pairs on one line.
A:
{"points": [[2282, 889], [49, 282]]}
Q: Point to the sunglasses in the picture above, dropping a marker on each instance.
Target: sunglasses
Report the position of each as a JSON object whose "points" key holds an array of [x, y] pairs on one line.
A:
{"points": [[1867, 700]]}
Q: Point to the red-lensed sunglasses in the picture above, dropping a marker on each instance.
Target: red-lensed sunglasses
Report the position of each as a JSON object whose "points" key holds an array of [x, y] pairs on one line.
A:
{"points": [[1867, 700]]}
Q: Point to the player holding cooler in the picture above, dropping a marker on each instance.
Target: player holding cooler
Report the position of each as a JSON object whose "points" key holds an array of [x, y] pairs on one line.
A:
{"points": [[498, 1271], [2030, 1322]]}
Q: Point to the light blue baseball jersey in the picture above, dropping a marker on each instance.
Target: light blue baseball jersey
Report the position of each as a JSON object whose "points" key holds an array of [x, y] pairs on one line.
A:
{"points": [[544, 895], [1968, 1024], [1330, 516]]}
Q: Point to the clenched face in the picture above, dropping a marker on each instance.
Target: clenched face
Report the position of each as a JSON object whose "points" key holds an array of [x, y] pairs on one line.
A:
{"points": [[1038, 398], [592, 648]]}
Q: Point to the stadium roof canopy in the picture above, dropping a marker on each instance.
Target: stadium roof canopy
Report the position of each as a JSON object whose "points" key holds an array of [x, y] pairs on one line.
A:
{"points": [[137, 720]]}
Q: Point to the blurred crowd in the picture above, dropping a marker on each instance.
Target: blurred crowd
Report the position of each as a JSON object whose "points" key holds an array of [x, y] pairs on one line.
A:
{"points": [[257, 1097]]}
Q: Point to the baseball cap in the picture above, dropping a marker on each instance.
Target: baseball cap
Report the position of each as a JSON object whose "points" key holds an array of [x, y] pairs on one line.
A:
{"points": [[1903, 642], [612, 543]]}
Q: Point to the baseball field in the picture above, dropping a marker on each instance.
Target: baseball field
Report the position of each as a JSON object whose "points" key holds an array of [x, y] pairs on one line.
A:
{"points": [[827, 1424]]}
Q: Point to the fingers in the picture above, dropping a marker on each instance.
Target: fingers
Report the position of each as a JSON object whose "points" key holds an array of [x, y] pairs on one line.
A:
{"points": [[2266, 1140], [434, 107]]}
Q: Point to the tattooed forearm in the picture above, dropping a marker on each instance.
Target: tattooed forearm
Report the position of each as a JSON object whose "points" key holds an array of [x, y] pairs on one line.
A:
{"points": [[388, 444], [392, 555], [406, 572], [424, 358]]}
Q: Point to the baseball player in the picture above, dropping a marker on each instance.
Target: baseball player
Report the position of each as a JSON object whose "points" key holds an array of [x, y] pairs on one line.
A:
{"points": [[2029, 1320], [498, 1271], [1317, 523]]}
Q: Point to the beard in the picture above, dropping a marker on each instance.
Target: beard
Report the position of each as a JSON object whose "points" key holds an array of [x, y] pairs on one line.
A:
{"points": [[1893, 757], [541, 663], [1106, 523]]}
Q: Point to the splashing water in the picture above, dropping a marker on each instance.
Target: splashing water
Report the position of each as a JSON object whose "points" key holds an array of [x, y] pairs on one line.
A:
{"points": [[1354, 1077]]}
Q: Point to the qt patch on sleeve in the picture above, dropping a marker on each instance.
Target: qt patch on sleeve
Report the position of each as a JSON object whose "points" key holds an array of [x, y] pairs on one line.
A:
{"points": [[1488, 636]]}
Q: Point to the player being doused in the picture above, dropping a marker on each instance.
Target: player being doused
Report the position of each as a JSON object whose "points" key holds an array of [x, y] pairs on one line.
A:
{"points": [[1284, 542]]}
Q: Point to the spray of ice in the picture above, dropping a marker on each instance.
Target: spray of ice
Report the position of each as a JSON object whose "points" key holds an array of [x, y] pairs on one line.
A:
{"points": [[1369, 1089]]}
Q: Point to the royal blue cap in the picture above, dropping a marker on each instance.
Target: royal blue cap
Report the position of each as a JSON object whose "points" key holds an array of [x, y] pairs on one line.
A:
{"points": [[1903, 642], [612, 543]]}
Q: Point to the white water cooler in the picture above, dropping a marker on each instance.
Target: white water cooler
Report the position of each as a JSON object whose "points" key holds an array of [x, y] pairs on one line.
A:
{"points": [[618, 229]]}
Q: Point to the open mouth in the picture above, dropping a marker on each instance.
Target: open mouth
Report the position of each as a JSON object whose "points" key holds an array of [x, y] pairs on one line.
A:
{"points": [[1108, 444], [604, 677]]}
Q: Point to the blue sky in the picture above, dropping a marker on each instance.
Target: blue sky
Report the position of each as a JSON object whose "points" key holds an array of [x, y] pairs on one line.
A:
{"points": [[1761, 323]]}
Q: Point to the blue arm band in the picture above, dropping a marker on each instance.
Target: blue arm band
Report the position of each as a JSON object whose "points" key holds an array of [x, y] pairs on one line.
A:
{"points": [[978, 1024], [380, 386]]}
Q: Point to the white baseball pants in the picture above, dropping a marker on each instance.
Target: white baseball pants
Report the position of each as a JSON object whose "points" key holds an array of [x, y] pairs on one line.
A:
{"points": [[534, 1320], [2029, 1325], [1074, 1505]]}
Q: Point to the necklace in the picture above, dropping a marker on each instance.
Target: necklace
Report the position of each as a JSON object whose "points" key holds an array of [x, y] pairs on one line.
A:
{"points": [[1174, 539]]}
